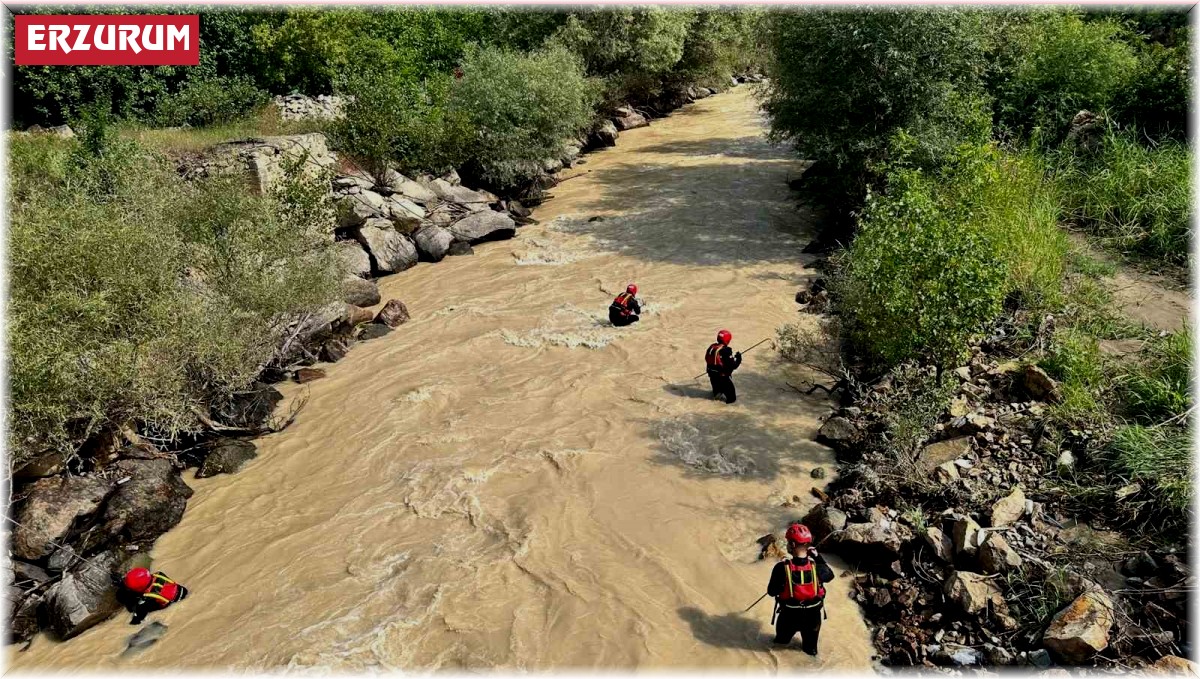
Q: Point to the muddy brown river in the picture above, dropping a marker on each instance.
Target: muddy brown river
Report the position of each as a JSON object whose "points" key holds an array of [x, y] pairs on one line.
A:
{"points": [[507, 482]]}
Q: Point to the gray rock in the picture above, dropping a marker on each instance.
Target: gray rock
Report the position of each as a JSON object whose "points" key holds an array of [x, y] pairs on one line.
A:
{"points": [[605, 134], [144, 638], [483, 225], [149, 504], [823, 521], [630, 121], [880, 540], [1009, 509], [25, 623], [459, 248], [227, 457], [27, 575], [975, 594], [936, 454], [433, 242], [964, 535], [956, 654], [360, 292], [552, 165], [334, 350], [373, 331], [355, 210], [405, 213], [1040, 385], [411, 190], [83, 597], [940, 544], [451, 177], [51, 508], [249, 410], [42, 465], [1040, 658], [459, 194], [351, 181], [354, 258], [390, 250], [838, 433], [996, 556]]}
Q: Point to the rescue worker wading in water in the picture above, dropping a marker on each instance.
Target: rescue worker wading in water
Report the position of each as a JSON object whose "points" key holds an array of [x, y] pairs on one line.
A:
{"points": [[721, 362], [625, 308], [153, 592], [798, 585]]}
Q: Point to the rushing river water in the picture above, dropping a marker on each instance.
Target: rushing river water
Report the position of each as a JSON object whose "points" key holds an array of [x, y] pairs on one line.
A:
{"points": [[507, 481]]}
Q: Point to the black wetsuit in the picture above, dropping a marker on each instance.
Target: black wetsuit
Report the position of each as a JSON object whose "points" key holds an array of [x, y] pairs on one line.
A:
{"points": [[620, 315], [792, 618], [720, 372]]}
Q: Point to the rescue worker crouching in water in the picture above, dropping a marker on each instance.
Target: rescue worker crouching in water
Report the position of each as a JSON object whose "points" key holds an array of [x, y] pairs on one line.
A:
{"points": [[721, 362], [145, 592], [625, 308], [798, 585]]}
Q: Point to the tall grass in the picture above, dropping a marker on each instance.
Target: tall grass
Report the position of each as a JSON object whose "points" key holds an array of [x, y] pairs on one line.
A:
{"points": [[1136, 197], [1158, 457]]}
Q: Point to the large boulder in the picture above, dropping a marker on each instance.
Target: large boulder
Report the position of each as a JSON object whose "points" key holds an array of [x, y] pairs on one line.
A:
{"points": [[227, 457], [459, 194], [483, 226], [977, 594], [41, 465], [149, 500], [433, 242], [391, 251], [411, 190], [404, 213], [838, 433], [1080, 631], [605, 134], [83, 597], [354, 258], [51, 509], [261, 161], [824, 521], [360, 292], [354, 210], [880, 540], [630, 121]]}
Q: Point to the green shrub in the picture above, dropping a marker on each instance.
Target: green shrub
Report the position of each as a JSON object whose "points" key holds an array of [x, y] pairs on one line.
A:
{"points": [[1051, 64], [1137, 198], [135, 297], [843, 82], [396, 121], [1159, 457], [523, 107], [917, 280], [1156, 99], [1158, 386], [210, 101]]}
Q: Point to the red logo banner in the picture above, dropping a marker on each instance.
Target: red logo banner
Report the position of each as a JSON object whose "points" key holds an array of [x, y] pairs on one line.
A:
{"points": [[107, 40]]}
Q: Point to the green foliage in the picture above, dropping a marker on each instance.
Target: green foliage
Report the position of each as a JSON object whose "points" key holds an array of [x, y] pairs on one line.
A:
{"points": [[610, 41], [210, 101], [522, 107], [1137, 198], [1159, 91], [1074, 359], [135, 297], [1050, 64], [722, 43], [395, 121], [1157, 388], [1159, 457], [843, 82], [918, 281]]}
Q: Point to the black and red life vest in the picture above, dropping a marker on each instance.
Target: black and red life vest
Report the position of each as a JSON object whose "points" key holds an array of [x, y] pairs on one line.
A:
{"points": [[622, 303], [712, 357], [803, 585], [163, 590]]}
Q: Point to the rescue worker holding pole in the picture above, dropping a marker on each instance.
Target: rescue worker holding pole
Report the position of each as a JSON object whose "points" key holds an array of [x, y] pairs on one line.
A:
{"points": [[798, 585], [721, 361], [625, 308]]}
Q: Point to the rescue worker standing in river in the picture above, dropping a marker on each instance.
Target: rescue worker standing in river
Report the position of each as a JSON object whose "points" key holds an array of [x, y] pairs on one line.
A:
{"points": [[625, 308], [798, 585], [721, 362]]}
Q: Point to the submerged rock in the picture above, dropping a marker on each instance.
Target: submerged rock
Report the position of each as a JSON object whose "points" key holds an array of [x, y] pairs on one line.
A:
{"points": [[227, 457]]}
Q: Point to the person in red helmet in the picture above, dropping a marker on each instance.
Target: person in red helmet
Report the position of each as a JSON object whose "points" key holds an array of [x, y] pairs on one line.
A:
{"points": [[150, 592], [625, 308], [798, 585], [720, 362]]}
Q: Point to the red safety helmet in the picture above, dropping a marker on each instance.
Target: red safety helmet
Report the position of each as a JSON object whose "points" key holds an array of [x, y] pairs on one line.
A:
{"points": [[138, 579], [799, 534], [631, 289], [724, 337]]}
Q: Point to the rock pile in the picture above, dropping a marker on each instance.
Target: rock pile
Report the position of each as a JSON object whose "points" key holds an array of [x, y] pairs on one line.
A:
{"points": [[969, 554], [302, 107]]}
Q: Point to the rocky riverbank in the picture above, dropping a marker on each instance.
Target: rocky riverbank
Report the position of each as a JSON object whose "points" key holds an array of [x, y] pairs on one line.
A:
{"points": [[80, 521], [967, 548]]}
